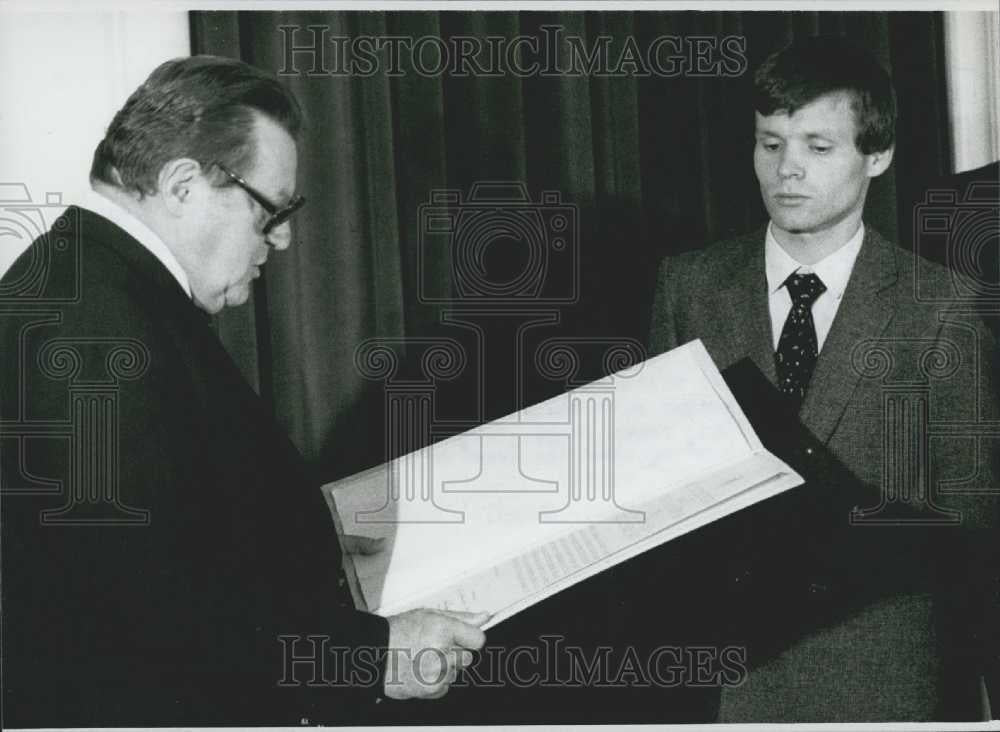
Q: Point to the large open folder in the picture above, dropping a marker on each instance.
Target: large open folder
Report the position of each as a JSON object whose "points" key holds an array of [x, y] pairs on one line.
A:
{"points": [[507, 514]]}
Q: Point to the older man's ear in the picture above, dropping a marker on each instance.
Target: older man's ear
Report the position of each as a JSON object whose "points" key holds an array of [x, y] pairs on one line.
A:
{"points": [[176, 182]]}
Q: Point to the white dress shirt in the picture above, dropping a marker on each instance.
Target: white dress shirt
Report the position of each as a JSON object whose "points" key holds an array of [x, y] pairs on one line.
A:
{"points": [[834, 270], [121, 218]]}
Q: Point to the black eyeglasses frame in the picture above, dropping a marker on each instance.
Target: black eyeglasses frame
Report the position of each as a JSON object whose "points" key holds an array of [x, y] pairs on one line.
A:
{"points": [[277, 214]]}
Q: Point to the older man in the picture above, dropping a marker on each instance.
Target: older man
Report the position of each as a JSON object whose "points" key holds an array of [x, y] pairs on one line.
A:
{"points": [[166, 557]]}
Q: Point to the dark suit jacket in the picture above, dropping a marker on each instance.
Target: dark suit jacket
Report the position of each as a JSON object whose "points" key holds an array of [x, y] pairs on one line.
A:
{"points": [[877, 648], [969, 204], [160, 531]]}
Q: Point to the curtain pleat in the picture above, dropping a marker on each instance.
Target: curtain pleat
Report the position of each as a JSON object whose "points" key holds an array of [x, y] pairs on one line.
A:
{"points": [[420, 167], [653, 165]]}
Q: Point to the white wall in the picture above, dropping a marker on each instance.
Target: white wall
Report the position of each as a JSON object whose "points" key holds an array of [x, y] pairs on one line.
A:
{"points": [[972, 48], [63, 75]]}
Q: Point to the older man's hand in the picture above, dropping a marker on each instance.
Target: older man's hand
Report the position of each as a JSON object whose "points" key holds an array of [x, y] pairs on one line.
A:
{"points": [[427, 649]]}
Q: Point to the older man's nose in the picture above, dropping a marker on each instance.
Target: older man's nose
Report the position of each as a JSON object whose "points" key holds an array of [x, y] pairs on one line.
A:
{"points": [[280, 237]]}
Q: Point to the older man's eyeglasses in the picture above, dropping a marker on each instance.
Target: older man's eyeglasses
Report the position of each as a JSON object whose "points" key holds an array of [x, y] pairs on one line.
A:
{"points": [[277, 214]]}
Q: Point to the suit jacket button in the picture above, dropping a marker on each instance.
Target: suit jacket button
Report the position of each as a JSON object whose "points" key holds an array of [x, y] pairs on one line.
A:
{"points": [[809, 451], [742, 578]]}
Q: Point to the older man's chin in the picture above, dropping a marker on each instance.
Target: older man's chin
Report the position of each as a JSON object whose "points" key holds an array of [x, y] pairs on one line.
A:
{"points": [[230, 297], [237, 294]]}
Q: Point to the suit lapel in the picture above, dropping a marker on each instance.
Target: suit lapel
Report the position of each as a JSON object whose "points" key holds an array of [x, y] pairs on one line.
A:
{"points": [[743, 307], [867, 308]]}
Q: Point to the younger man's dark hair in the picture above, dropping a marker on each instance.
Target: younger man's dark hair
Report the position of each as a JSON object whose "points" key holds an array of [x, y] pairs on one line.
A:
{"points": [[808, 68], [199, 107]]}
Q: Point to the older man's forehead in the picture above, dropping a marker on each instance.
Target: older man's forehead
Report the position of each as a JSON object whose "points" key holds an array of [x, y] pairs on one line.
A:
{"points": [[276, 160]]}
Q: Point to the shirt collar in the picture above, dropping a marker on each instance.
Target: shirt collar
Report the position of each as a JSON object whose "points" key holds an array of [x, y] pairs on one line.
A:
{"points": [[834, 269], [124, 220]]}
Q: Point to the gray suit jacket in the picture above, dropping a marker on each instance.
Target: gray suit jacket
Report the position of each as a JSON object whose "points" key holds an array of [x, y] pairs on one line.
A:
{"points": [[902, 394]]}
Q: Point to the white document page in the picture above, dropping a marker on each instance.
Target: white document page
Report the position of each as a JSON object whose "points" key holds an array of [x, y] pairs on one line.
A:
{"points": [[502, 516]]}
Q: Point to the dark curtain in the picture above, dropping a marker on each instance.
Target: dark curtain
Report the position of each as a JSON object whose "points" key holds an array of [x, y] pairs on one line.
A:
{"points": [[651, 165]]}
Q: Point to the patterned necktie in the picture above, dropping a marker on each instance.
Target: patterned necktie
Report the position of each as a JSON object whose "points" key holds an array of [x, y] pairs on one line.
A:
{"points": [[795, 358]]}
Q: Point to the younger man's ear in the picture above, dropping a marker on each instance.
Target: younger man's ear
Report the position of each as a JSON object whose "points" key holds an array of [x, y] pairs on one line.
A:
{"points": [[878, 162], [177, 182]]}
